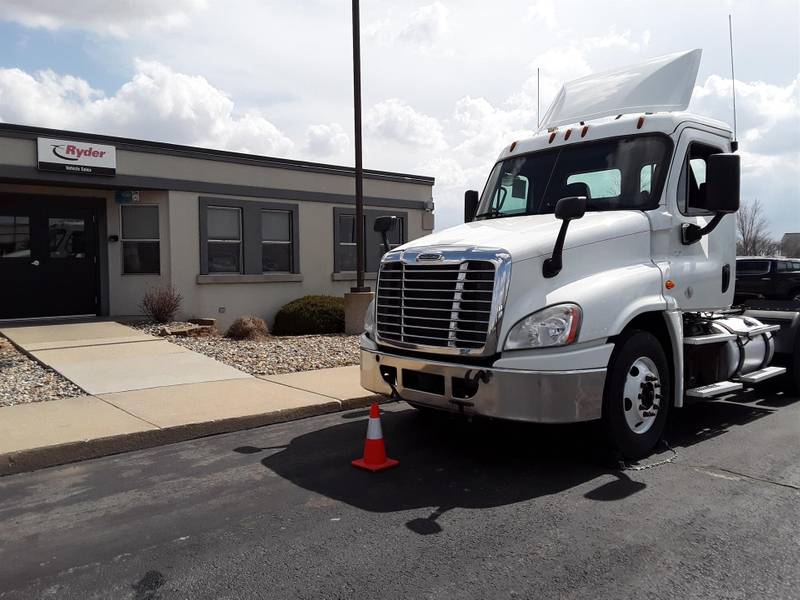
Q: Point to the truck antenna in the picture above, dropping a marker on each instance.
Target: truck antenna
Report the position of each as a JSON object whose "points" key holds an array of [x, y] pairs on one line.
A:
{"points": [[735, 141], [538, 122]]}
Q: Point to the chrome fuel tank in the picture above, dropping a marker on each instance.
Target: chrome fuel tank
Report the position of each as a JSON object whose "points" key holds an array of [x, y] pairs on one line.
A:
{"points": [[750, 351]]}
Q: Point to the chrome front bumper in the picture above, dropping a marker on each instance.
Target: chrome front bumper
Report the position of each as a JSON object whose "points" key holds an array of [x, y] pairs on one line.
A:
{"points": [[535, 396]]}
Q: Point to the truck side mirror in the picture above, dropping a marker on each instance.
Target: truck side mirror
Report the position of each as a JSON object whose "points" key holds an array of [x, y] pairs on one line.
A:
{"points": [[722, 183], [721, 194], [567, 209], [471, 200], [384, 225], [570, 208]]}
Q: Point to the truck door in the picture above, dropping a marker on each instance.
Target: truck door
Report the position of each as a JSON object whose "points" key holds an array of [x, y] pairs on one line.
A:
{"points": [[703, 272]]}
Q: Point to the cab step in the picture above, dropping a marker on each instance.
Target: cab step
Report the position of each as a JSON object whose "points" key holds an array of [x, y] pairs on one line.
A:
{"points": [[714, 389], [762, 374], [712, 338]]}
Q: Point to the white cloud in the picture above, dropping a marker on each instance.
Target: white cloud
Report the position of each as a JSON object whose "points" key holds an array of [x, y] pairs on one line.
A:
{"points": [[612, 39], [769, 132], [542, 12], [395, 120], [468, 85], [157, 103], [109, 17], [486, 129], [768, 115], [326, 140], [426, 25]]}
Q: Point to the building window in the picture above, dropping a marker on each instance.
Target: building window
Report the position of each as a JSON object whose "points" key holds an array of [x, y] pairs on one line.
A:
{"points": [[141, 247], [224, 239], [276, 241], [344, 259], [15, 237], [346, 244], [67, 238], [249, 237]]}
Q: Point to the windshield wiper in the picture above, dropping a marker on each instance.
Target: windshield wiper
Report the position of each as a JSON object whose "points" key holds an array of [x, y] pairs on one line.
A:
{"points": [[490, 214]]}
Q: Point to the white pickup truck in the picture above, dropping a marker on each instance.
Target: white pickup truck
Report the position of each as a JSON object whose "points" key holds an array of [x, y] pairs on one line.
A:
{"points": [[593, 277]]}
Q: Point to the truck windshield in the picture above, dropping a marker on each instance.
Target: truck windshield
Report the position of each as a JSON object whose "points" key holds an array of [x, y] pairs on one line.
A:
{"points": [[620, 174]]}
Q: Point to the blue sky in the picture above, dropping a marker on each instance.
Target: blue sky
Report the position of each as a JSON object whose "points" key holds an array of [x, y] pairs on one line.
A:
{"points": [[446, 83]]}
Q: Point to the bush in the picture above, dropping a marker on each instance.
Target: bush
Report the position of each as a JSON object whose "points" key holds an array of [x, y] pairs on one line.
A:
{"points": [[248, 328], [311, 315], [161, 303]]}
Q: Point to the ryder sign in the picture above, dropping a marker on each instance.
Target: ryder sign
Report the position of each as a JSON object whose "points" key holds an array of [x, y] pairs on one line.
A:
{"points": [[82, 158]]}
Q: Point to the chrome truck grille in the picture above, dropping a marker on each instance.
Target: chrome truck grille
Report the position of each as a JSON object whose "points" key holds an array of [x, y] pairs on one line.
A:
{"points": [[446, 305]]}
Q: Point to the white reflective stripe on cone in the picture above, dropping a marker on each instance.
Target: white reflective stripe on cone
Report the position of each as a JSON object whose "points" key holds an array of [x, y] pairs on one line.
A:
{"points": [[374, 429]]}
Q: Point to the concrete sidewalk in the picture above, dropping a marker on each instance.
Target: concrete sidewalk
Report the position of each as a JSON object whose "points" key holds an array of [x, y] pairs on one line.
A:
{"points": [[109, 357], [145, 392]]}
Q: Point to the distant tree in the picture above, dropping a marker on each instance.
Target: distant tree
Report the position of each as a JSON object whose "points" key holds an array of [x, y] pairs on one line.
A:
{"points": [[753, 237]]}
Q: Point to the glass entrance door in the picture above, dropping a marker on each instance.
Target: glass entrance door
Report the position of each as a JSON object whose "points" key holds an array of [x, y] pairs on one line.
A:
{"points": [[48, 258]]}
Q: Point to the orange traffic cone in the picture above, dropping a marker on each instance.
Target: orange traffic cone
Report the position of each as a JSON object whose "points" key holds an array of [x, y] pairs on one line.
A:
{"points": [[375, 458]]}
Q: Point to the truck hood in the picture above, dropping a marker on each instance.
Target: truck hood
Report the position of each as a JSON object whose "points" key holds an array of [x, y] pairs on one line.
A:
{"points": [[529, 236]]}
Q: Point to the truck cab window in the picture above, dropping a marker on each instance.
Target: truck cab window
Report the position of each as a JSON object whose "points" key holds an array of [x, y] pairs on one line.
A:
{"points": [[646, 177], [601, 184], [610, 172], [692, 182]]}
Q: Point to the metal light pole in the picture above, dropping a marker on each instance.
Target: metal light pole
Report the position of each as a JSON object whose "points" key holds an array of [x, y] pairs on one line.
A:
{"points": [[359, 167]]}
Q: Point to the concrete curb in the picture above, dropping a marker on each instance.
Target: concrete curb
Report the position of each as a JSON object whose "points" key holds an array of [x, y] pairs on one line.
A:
{"points": [[32, 459]]}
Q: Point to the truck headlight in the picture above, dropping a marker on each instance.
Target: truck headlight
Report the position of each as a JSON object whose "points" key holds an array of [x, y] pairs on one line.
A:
{"points": [[369, 321], [556, 325]]}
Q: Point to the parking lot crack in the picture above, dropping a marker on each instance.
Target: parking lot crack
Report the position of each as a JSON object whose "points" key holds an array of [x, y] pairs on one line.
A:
{"points": [[712, 468]]}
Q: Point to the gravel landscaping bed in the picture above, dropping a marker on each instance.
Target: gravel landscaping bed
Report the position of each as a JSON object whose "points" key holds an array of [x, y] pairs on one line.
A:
{"points": [[273, 356], [24, 380]]}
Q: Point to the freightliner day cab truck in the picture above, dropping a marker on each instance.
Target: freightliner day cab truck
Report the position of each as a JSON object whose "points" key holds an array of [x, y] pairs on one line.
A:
{"points": [[593, 277]]}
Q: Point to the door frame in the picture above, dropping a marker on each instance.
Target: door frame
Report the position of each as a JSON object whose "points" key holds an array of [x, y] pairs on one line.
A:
{"points": [[97, 204]]}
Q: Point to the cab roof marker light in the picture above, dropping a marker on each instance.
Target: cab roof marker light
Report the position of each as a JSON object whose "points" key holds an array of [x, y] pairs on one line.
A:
{"points": [[567, 134], [640, 122], [584, 131], [513, 145], [552, 137]]}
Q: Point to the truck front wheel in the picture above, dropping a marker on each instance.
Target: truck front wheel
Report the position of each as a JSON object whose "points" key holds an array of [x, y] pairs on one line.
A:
{"points": [[637, 396]]}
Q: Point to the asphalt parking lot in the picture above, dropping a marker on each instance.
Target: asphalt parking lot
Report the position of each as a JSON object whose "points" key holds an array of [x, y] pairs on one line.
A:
{"points": [[475, 510]]}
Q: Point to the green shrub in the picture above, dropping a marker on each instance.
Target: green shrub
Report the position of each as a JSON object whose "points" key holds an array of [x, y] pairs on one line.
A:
{"points": [[311, 315], [248, 328]]}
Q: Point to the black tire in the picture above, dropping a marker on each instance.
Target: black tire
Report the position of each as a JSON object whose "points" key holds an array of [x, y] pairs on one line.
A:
{"points": [[632, 346]]}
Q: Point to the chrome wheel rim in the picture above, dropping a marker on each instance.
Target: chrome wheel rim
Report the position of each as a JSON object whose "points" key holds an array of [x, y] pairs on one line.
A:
{"points": [[641, 398]]}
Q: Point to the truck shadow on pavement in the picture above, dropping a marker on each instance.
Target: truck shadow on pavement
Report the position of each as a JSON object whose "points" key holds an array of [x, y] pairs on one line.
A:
{"points": [[702, 421], [447, 462]]}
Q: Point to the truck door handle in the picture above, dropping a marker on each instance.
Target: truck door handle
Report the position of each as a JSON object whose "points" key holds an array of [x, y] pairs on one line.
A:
{"points": [[35, 263], [765, 279]]}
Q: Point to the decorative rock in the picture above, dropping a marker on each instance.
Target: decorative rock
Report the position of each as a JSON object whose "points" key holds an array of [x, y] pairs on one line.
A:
{"points": [[24, 380], [204, 322]]}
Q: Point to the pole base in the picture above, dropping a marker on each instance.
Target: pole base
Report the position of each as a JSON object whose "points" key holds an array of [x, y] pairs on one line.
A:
{"points": [[355, 308], [387, 464]]}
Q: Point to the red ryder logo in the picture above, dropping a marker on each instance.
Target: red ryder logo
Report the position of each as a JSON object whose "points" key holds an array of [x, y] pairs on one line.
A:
{"points": [[73, 152], [80, 158]]}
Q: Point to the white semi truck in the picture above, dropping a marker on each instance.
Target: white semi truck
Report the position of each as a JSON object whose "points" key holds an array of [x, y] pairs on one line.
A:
{"points": [[593, 277]]}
